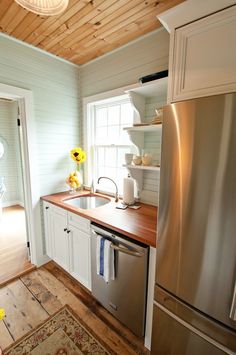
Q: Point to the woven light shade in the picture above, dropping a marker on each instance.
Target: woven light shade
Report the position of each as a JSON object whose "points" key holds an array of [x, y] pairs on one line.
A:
{"points": [[44, 7]]}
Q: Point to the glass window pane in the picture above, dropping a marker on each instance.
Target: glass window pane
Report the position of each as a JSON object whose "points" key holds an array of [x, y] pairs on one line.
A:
{"points": [[124, 137], [1, 150], [113, 134], [101, 171], [101, 116], [101, 156], [110, 157], [114, 115], [111, 173], [101, 135], [110, 119], [127, 114]]}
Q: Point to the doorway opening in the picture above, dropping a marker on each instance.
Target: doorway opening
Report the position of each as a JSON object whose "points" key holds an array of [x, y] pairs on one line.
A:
{"points": [[14, 240]]}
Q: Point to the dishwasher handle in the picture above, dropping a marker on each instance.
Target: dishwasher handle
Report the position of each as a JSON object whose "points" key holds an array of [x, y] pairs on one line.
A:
{"points": [[124, 250]]}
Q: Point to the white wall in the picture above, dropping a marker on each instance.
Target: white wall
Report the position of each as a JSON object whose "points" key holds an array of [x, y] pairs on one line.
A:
{"points": [[10, 164], [55, 87], [124, 67]]}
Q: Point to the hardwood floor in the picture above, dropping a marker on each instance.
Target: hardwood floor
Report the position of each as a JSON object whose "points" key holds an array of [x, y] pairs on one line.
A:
{"points": [[13, 251], [32, 298]]}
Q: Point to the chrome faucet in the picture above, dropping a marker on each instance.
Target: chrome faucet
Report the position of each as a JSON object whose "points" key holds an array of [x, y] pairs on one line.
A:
{"points": [[105, 177]]}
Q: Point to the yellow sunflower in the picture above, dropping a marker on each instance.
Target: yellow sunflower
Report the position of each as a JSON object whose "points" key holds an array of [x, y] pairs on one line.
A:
{"points": [[78, 155]]}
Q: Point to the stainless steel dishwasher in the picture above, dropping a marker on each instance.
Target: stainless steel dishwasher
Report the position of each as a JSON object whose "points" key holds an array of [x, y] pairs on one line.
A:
{"points": [[125, 296]]}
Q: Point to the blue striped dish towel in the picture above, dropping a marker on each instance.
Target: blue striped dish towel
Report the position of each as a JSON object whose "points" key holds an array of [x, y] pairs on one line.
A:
{"points": [[105, 259]]}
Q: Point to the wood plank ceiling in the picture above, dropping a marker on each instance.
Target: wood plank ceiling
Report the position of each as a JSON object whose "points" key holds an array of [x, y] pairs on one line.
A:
{"points": [[87, 29]]}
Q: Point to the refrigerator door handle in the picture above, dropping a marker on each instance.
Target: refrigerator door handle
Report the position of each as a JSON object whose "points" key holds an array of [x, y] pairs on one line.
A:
{"points": [[232, 313]]}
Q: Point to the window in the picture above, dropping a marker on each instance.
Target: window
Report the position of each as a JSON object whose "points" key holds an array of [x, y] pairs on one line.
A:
{"points": [[108, 141], [2, 147]]}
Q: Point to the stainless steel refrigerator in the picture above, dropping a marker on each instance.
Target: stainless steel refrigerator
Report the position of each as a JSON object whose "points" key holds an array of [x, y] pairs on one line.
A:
{"points": [[195, 295]]}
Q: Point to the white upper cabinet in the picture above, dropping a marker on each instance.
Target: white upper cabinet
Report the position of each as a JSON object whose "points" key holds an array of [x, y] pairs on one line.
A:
{"points": [[203, 57]]}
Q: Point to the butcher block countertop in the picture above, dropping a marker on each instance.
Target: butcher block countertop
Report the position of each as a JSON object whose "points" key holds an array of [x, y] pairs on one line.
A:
{"points": [[140, 224]]}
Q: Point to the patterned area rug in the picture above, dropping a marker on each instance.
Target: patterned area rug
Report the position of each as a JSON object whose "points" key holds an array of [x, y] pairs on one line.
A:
{"points": [[61, 334]]}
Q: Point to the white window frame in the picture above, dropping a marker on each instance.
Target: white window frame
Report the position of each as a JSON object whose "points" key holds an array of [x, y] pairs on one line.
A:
{"points": [[88, 120]]}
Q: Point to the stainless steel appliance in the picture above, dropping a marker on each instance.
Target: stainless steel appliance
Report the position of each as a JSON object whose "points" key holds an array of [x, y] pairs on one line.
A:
{"points": [[195, 295], [125, 296]]}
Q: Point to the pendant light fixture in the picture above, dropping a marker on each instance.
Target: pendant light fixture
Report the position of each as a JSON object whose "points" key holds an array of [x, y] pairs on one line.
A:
{"points": [[44, 7]]}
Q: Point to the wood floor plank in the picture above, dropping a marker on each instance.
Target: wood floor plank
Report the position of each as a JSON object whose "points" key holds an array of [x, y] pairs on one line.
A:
{"points": [[95, 307], [29, 300], [48, 301], [5, 337], [13, 249], [65, 296], [23, 311]]}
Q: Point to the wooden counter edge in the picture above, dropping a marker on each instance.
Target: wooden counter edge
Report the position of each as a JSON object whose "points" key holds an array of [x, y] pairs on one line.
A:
{"points": [[58, 199]]}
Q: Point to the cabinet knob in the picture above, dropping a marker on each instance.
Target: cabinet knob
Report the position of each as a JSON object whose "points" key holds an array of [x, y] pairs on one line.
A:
{"points": [[47, 207], [65, 229], [68, 232]]}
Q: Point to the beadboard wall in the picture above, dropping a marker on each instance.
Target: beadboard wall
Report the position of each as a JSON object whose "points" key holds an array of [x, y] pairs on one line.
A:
{"points": [[56, 102], [10, 163], [124, 67], [55, 87], [152, 145]]}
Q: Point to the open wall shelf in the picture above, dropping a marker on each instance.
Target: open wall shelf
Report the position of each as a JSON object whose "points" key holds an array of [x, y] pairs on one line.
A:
{"points": [[142, 167]]}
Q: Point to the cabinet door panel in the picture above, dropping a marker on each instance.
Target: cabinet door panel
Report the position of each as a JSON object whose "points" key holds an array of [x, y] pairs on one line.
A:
{"points": [[80, 259], [204, 57], [60, 240]]}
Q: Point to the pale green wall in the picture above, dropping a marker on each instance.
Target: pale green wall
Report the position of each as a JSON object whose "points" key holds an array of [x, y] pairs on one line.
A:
{"points": [[126, 65], [55, 87], [10, 163]]}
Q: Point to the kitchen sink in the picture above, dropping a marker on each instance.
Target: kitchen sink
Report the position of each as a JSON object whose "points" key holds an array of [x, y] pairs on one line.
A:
{"points": [[87, 202]]}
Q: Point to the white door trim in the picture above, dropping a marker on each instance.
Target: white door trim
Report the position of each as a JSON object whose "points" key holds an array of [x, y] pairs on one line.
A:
{"points": [[32, 195]]}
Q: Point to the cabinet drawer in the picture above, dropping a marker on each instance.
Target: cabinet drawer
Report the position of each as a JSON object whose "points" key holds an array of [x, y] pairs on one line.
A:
{"points": [[79, 222], [59, 210]]}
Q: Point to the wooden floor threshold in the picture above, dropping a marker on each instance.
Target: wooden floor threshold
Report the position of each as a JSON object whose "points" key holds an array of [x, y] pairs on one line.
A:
{"points": [[17, 275]]}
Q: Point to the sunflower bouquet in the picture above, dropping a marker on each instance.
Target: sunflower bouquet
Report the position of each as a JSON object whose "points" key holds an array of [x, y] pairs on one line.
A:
{"points": [[74, 180]]}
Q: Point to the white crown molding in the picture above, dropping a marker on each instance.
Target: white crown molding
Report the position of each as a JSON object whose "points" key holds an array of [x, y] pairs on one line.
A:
{"points": [[189, 11]]}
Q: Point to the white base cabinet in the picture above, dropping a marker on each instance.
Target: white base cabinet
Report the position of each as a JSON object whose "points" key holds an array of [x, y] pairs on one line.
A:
{"points": [[48, 227], [203, 57], [80, 257], [60, 238], [67, 238]]}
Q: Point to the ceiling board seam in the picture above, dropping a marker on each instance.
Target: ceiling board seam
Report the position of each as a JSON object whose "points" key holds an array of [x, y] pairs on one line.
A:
{"points": [[124, 46]]}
